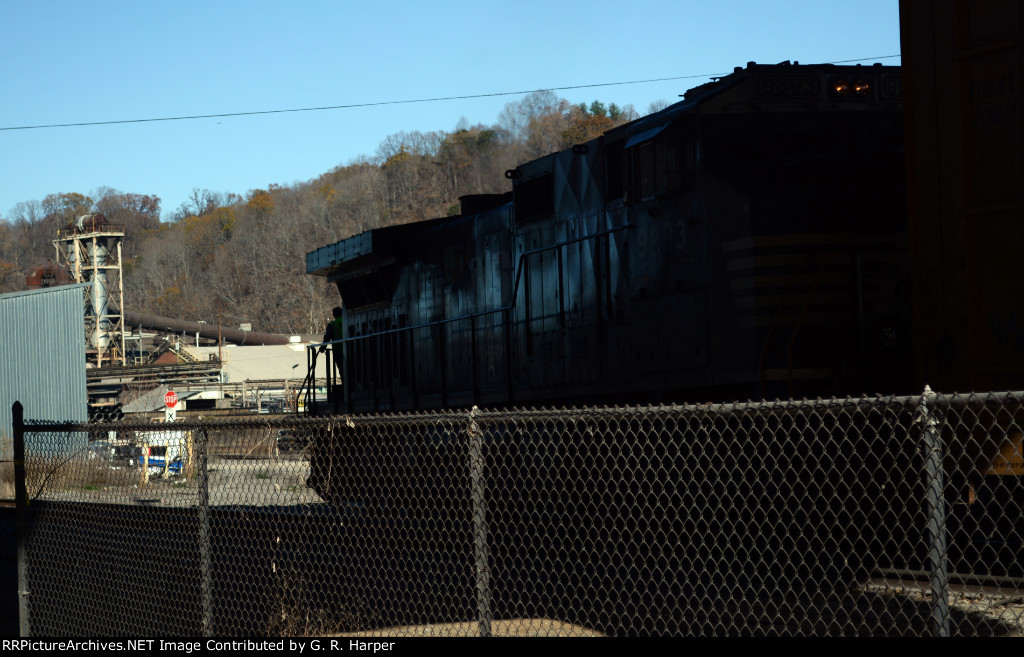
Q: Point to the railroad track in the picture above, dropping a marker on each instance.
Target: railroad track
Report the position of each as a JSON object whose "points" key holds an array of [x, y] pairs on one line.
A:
{"points": [[959, 583], [975, 601]]}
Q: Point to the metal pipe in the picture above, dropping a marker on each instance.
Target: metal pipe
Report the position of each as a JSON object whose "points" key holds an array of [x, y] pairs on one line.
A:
{"points": [[172, 325]]}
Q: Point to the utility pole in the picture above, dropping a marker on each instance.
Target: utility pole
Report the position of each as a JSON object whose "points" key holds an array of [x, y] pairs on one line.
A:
{"points": [[220, 359]]}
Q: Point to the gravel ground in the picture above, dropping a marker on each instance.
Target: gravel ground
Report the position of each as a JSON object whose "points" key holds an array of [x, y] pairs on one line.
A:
{"points": [[974, 610], [513, 627]]}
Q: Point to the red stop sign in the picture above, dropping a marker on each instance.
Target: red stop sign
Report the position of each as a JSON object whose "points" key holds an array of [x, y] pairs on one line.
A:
{"points": [[171, 399]]}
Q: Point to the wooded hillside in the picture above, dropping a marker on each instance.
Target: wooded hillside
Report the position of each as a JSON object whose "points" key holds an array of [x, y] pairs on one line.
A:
{"points": [[244, 256]]}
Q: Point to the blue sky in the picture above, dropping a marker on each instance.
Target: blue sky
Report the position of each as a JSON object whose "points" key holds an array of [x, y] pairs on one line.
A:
{"points": [[74, 62]]}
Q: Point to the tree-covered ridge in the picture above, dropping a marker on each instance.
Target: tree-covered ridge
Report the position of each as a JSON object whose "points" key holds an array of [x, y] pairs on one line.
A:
{"points": [[244, 256]]}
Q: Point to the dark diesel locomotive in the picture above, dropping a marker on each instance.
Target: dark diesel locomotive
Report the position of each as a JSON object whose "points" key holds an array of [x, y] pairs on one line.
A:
{"points": [[747, 242]]}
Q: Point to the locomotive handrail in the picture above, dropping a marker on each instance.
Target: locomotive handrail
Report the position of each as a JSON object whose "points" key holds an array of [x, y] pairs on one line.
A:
{"points": [[308, 395], [471, 316]]}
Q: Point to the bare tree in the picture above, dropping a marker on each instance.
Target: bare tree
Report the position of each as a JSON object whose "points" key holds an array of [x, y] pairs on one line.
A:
{"points": [[198, 203], [657, 106], [514, 120]]}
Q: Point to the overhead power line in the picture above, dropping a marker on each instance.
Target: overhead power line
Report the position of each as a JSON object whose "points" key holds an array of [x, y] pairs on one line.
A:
{"points": [[386, 102]]}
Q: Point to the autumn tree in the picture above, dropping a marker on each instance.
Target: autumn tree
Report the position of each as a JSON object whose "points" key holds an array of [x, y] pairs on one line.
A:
{"points": [[62, 209], [12, 274], [470, 164], [260, 202], [135, 212], [33, 227], [545, 131]]}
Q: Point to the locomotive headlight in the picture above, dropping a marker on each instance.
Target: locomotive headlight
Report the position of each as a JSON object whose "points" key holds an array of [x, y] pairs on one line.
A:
{"points": [[840, 87], [861, 88]]}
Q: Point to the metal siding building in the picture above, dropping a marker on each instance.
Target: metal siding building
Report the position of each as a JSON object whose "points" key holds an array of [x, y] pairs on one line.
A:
{"points": [[42, 356]]}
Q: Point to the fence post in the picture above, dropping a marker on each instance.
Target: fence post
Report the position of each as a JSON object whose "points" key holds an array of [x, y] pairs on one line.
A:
{"points": [[205, 583], [478, 483], [21, 511], [144, 460], [935, 507]]}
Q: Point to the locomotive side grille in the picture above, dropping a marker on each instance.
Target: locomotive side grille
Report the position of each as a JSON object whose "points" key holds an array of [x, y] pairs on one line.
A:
{"points": [[783, 280]]}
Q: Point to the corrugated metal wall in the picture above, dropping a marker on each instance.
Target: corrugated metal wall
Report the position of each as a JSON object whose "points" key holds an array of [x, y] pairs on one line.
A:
{"points": [[42, 356]]}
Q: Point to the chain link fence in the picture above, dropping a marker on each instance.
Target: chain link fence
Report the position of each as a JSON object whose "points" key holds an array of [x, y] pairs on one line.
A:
{"points": [[884, 516]]}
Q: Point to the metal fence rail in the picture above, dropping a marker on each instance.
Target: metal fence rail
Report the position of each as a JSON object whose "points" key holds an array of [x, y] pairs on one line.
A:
{"points": [[880, 516]]}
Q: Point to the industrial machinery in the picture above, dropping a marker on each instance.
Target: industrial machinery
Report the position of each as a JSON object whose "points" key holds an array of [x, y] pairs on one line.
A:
{"points": [[90, 249]]}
